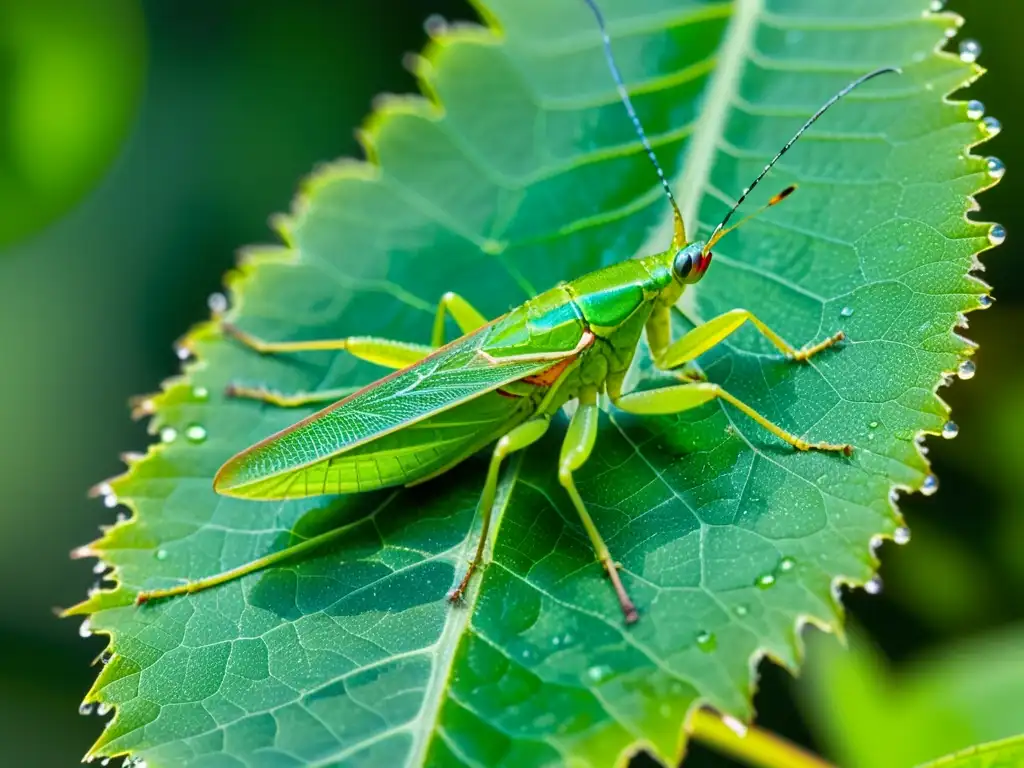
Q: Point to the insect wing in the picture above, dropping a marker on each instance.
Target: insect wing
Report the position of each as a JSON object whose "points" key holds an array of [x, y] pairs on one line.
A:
{"points": [[454, 374]]}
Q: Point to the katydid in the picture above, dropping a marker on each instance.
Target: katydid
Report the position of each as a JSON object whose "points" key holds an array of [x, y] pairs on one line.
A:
{"points": [[503, 382]]}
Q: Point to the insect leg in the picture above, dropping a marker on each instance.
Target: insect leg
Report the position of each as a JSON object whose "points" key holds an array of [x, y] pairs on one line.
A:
{"points": [[384, 352], [292, 400], [462, 312], [683, 397], [705, 336], [191, 587], [576, 449], [520, 437]]}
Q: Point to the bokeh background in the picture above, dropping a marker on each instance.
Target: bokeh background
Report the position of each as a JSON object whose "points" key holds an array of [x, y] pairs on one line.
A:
{"points": [[142, 142]]}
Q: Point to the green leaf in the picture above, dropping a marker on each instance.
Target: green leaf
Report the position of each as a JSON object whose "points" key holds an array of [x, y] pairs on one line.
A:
{"points": [[961, 694], [1008, 753], [520, 172]]}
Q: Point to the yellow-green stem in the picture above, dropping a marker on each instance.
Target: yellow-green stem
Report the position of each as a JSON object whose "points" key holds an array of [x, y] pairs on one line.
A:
{"points": [[755, 747]]}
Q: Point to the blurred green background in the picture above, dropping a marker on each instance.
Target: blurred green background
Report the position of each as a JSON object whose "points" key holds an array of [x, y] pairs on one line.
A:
{"points": [[142, 143]]}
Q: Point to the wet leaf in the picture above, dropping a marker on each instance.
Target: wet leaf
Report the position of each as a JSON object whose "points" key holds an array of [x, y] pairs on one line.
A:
{"points": [[525, 172]]}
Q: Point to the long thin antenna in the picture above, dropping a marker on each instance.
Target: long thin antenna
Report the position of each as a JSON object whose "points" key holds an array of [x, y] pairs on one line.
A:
{"points": [[718, 233], [680, 235]]}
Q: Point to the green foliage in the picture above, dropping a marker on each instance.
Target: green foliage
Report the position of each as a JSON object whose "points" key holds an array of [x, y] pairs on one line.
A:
{"points": [[729, 540], [1000, 754], [963, 694]]}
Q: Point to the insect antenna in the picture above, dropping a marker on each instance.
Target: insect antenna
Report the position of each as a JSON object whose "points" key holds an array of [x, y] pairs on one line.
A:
{"points": [[720, 230], [679, 240]]}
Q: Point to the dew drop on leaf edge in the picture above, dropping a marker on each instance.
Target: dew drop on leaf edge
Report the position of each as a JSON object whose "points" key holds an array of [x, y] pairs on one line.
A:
{"points": [[997, 234], [930, 485], [975, 109], [992, 126], [970, 50], [966, 369], [218, 303], [901, 535], [873, 586], [950, 430], [996, 167]]}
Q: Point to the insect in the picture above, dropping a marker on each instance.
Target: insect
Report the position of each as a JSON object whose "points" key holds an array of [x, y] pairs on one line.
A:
{"points": [[503, 381]]}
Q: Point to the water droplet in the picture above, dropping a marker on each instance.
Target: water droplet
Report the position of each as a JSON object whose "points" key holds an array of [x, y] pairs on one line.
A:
{"points": [[218, 303], [975, 109], [950, 32], [741, 610], [168, 435], [894, 495], [110, 501], [875, 542], [183, 352], [985, 301], [997, 234], [992, 126], [765, 581], [950, 430], [99, 568], [873, 586], [121, 517], [787, 564], [200, 393], [970, 50], [930, 485], [435, 25], [936, 5], [901, 535], [105, 761], [707, 641], [996, 167], [160, 554], [102, 708], [873, 425], [556, 640], [598, 673], [966, 369], [85, 708], [526, 653], [195, 433], [846, 312], [84, 630]]}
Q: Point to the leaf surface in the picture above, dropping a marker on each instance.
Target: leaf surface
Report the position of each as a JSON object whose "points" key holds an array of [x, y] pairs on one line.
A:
{"points": [[521, 172]]}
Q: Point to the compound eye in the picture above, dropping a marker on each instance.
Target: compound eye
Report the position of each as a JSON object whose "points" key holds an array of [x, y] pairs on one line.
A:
{"points": [[683, 263]]}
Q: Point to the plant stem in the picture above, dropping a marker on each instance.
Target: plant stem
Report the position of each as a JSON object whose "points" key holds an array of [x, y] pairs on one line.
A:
{"points": [[755, 747]]}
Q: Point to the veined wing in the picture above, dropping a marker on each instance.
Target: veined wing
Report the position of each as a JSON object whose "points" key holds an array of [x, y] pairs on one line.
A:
{"points": [[454, 374], [403, 456]]}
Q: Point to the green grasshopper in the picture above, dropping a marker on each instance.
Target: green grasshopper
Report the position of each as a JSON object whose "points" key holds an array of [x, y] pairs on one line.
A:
{"points": [[502, 382]]}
